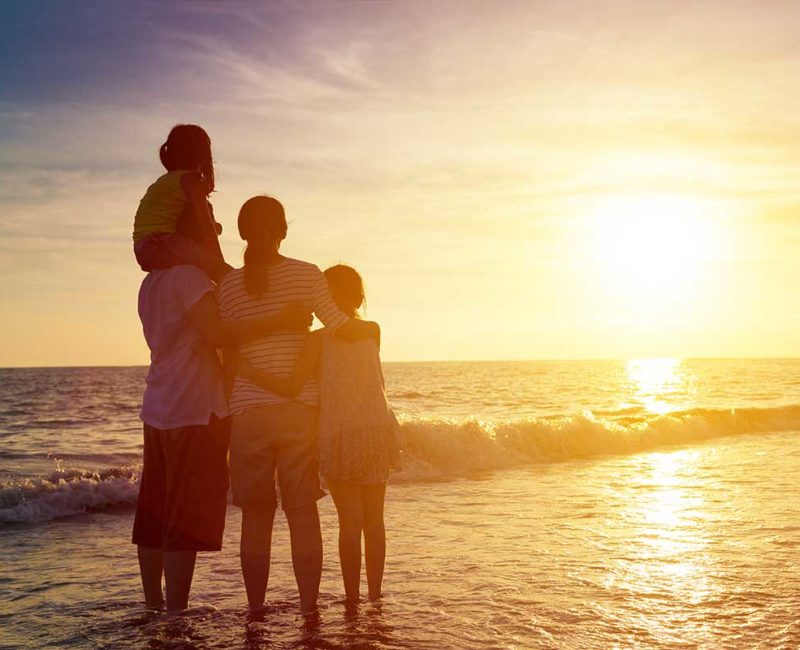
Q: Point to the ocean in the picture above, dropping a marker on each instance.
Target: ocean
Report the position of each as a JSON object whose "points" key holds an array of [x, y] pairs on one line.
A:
{"points": [[565, 504]]}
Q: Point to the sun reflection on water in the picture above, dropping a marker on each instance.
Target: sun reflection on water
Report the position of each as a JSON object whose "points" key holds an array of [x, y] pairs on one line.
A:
{"points": [[653, 381], [668, 532]]}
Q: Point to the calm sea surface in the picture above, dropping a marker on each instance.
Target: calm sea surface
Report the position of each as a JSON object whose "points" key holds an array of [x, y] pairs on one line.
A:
{"points": [[640, 504]]}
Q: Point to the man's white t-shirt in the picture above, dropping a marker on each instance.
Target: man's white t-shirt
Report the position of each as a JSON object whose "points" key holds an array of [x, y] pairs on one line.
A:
{"points": [[185, 381]]}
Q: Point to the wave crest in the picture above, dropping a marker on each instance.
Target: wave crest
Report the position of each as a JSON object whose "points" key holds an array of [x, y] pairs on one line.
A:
{"points": [[66, 493], [442, 449], [436, 450]]}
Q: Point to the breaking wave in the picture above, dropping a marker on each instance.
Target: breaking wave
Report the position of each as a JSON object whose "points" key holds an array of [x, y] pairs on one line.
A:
{"points": [[443, 449], [66, 493], [438, 449]]}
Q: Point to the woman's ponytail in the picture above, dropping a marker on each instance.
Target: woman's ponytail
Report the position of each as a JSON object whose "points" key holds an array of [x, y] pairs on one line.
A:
{"points": [[256, 273], [262, 224]]}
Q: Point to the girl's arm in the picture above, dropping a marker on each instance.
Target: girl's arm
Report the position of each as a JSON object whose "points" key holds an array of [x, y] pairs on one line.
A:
{"points": [[196, 191], [304, 367]]}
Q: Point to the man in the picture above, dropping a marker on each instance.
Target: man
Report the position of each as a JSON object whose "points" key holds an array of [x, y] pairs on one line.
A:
{"points": [[183, 490]]}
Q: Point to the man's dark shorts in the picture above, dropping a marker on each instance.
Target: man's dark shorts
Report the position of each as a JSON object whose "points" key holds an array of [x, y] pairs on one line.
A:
{"points": [[184, 488]]}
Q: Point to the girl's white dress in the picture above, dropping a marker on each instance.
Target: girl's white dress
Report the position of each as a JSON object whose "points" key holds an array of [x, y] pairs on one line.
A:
{"points": [[358, 432]]}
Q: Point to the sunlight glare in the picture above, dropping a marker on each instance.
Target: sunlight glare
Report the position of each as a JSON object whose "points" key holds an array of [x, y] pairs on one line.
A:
{"points": [[650, 248], [652, 380]]}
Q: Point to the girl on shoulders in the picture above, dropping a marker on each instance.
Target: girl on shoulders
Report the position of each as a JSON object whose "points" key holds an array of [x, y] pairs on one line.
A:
{"points": [[175, 223]]}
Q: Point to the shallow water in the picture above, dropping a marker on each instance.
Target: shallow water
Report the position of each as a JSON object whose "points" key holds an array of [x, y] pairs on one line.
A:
{"points": [[683, 548], [685, 539]]}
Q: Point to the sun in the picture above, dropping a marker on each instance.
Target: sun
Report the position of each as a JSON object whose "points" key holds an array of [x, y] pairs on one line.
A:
{"points": [[649, 249]]}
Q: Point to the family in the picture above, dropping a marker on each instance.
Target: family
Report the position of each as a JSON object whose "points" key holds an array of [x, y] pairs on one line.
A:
{"points": [[241, 394]]}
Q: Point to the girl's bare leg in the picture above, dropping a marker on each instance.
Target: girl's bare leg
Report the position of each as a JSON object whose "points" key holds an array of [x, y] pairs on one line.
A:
{"points": [[374, 537], [349, 506]]}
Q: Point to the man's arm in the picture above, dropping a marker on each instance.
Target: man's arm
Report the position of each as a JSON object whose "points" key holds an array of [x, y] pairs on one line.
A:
{"points": [[196, 192], [219, 333], [230, 361], [355, 330]]}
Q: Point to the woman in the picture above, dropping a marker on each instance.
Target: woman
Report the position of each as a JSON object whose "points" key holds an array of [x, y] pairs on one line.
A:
{"points": [[270, 434]]}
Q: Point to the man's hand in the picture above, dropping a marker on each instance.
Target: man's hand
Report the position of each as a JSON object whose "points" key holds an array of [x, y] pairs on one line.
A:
{"points": [[294, 317], [356, 330]]}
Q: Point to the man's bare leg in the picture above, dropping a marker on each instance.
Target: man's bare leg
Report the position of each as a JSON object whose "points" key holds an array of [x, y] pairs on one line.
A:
{"points": [[178, 574], [151, 566]]}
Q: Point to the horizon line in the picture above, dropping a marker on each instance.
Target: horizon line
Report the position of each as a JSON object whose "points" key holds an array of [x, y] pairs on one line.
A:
{"points": [[552, 360]]}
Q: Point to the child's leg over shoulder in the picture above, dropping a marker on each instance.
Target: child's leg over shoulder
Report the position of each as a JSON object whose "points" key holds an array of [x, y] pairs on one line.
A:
{"points": [[165, 250], [191, 252], [154, 251]]}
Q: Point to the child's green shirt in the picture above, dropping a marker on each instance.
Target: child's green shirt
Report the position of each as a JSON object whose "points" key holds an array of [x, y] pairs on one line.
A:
{"points": [[161, 206]]}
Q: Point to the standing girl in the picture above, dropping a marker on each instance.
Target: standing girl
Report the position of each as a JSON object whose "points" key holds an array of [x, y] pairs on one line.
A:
{"points": [[358, 441]]}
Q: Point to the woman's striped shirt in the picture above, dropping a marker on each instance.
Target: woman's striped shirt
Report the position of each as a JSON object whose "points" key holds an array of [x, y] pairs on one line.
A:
{"points": [[290, 281]]}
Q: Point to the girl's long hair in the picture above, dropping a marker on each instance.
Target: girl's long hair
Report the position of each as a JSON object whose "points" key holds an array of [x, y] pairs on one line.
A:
{"points": [[346, 287], [189, 147], [262, 224]]}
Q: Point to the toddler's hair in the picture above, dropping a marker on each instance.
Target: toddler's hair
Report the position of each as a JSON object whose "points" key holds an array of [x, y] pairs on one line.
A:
{"points": [[346, 286], [189, 147]]}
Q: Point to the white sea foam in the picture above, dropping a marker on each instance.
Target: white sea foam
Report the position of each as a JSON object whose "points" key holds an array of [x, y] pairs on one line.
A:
{"points": [[66, 493]]}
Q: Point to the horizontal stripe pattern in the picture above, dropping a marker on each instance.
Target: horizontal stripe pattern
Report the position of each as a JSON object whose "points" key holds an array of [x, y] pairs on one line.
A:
{"points": [[289, 281]]}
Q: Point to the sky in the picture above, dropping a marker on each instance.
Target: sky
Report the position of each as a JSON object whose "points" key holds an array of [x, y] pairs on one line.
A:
{"points": [[516, 180]]}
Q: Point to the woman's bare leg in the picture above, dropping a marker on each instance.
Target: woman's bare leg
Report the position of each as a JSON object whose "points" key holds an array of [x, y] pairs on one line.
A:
{"points": [[349, 506], [254, 553], [151, 566], [374, 537], [178, 574], [306, 541]]}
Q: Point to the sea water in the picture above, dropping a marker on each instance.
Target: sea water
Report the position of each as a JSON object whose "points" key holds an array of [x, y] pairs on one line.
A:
{"points": [[601, 504]]}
